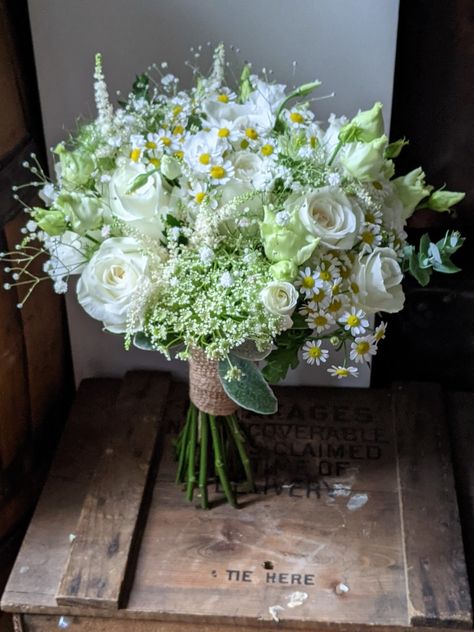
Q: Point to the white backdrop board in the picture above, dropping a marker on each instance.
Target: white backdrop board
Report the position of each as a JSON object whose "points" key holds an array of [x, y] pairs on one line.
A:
{"points": [[348, 44]]}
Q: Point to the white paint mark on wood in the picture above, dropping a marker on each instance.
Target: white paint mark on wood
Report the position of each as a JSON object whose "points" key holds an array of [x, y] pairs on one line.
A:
{"points": [[296, 599], [356, 501], [342, 589], [274, 610]]}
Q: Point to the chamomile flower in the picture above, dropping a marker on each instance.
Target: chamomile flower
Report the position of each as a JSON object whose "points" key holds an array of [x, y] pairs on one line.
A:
{"points": [[319, 320], [221, 172], [313, 354], [354, 321], [370, 236], [307, 280], [362, 349], [338, 303], [321, 294], [342, 372], [226, 132], [202, 195], [379, 333]]}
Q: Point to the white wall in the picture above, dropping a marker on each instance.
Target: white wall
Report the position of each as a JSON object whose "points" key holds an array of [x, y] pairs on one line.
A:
{"points": [[348, 44]]}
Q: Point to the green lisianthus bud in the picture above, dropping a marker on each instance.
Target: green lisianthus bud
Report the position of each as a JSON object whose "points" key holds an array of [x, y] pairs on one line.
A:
{"points": [[75, 167], [370, 123], [365, 161], [411, 189], [170, 167], [284, 270], [51, 221], [349, 133], [442, 200], [285, 238], [83, 211]]}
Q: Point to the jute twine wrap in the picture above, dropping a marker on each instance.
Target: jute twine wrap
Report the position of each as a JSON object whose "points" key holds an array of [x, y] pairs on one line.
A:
{"points": [[205, 388]]}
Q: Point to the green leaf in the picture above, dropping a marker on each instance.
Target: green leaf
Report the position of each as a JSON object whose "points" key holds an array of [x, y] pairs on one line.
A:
{"points": [[140, 181], [393, 150], [251, 391], [285, 356], [141, 85], [141, 341], [302, 91], [245, 85], [248, 351], [421, 275]]}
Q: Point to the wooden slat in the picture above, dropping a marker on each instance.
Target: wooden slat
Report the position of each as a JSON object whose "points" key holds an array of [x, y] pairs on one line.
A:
{"points": [[437, 585], [98, 561]]}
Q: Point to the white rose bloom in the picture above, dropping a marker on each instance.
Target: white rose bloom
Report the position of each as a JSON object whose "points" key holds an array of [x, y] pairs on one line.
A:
{"points": [[110, 280], [280, 298], [247, 165], [378, 278], [243, 115], [328, 214], [143, 209]]}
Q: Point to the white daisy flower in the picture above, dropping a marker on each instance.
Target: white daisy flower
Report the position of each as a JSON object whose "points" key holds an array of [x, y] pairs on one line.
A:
{"points": [[221, 172], [355, 321], [342, 371], [307, 280], [321, 294], [379, 333], [338, 303], [319, 320], [313, 354], [362, 349]]}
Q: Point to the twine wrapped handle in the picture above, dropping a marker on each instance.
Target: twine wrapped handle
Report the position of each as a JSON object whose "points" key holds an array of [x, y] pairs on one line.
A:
{"points": [[205, 388]]}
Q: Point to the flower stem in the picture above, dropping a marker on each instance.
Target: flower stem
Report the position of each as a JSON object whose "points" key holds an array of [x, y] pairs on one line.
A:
{"points": [[203, 459], [192, 456], [334, 153], [182, 447], [220, 469], [239, 442]]}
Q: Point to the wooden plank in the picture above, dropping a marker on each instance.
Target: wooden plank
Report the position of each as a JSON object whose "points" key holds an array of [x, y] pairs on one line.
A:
{"points": [[98, 561], [45, 549], [437, 585]]}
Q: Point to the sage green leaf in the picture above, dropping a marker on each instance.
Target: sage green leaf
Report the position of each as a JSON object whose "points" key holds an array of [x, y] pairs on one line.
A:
{"points": [[248, 351], [141, 341], [140, 181], [251, 391], [393, 150]]}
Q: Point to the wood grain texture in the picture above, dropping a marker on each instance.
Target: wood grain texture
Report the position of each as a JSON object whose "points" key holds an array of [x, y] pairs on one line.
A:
{"points": [[98, 560], [437, 585]]}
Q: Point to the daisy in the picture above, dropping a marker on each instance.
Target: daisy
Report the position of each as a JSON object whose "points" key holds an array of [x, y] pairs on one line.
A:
{"points": [[319, 321], [354, 321], [337, 304], [312, 352], [362, 349], [321, 294], [379, 333], [221, 172], [342, 371], [307, 281]]}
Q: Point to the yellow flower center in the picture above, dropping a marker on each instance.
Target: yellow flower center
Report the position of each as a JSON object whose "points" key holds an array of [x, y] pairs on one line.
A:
{"points": [[320, 321], [251, 133], [179, 154], [166, 141], [135, 154], [177, 110], [308, 282], [244, 144], [199, 197], [379, 335], [335, 306], [179, 129], [223, 132], [342, 371], [353, 320], [362, 347], [267, 150], [217, 172], [368, 237], [313, 141], [155, 162], [223, 98], [319, 295], [150, 145], [377, 185], [344, 272], [354, 287], [314, 352], [369, 217], [204, 159], [296, 117], [324, 275]]}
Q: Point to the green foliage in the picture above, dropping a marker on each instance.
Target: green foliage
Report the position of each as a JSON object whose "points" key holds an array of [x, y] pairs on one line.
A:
{"points": [[245, 85], [250, 391], [432, 257], [141, 180], [393, 150], [141, 85], [285, 356]]}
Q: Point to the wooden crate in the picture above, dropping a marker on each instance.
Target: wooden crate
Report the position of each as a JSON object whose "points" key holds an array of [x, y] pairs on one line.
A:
{"points": [[354, 527]]}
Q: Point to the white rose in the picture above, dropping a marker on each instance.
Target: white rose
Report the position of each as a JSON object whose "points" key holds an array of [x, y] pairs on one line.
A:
{"points": [[328, 214], [378, 278], [247, 165], [280, 298], [110, 280], [144, 208]]}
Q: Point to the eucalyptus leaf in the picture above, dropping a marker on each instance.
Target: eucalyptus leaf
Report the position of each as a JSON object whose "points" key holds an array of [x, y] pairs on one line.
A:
{"points": [[251, 391], [248, 351]]}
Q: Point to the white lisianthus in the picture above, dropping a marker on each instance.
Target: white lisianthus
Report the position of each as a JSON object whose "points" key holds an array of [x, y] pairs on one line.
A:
{"points": [[110, 281], [247, 166], [411, 189], [365, 161], [377, 279], [331, 136], [242, 115], [280, 298], [266, 95], [144, 208], [328, 214]]}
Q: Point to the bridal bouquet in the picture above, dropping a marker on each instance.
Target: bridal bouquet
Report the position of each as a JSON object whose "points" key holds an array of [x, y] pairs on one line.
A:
{"points": [[226, 226]]}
